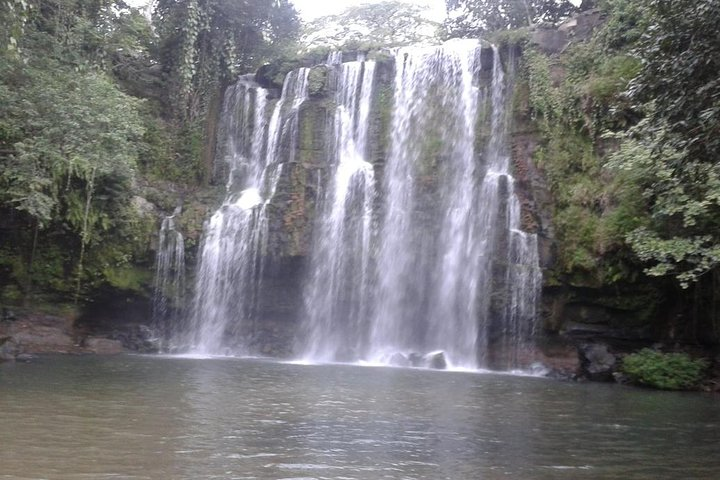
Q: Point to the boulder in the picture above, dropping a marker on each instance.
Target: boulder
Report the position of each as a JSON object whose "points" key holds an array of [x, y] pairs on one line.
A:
{"points": [[549, 40], [270, 76], [399, 360], [597, 362], [436, 360], [104, 346], [45, 339], [318, 81], [561, 359], [7, 315], [580, 27], [137, 338], [143, 207], [416, 360], [586, 23], [8, 349], [34, 333]]}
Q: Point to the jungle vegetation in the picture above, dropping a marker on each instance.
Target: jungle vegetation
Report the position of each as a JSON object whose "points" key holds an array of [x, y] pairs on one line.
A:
{"points": [[97, 98]]}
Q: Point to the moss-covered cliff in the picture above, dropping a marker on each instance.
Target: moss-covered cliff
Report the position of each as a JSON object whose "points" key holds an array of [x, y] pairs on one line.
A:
{"points": [[567, 106]]}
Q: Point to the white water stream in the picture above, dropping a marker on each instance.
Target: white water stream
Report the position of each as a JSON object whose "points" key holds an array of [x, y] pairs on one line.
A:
{"points": [[231, 263], [428, 266]]}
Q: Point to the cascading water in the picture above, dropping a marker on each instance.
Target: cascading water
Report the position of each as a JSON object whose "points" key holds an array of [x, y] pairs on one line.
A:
{"points": [[508, 327], [336, 297], [234, 239], [447, 208], [432, 258], [430, 265], [450, 269], [169, 283]]}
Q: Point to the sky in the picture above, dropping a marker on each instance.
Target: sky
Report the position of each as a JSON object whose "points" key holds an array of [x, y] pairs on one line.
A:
{"points": [[311, 9]]}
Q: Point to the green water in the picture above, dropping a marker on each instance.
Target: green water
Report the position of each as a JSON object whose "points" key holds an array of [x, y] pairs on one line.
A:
{"points": [[134, 417]]}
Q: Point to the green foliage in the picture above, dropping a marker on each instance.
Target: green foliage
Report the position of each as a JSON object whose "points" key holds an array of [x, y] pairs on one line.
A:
{"points": [[205, 43], [589, 215], [667, 371], [473, 18], [71, 126], [687, 257], [612, 77], [156, 152], [573, 99], [681, 209], [629, 122], [672, 153], [681, 52], [383, 114], [510, 38], [369, 26], [14, 14], [544, 97], [626, 22], [75, 134], [69, 143], [129, 278]]}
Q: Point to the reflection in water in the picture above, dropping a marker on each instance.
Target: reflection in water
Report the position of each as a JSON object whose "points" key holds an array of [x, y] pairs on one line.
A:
{"points": [[171, 418]]}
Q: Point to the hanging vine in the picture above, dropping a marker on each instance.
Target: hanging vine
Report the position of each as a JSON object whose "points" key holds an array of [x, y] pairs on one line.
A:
{"points": [[205, 43]]}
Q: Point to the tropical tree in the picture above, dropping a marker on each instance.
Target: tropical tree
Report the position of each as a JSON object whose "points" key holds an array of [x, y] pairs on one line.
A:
{"points": [[205, 43], [471, 18], [388, 23], [68, 136], [674, 151], [14, 13]]}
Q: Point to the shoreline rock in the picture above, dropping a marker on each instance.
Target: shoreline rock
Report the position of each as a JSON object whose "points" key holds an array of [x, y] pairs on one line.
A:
{"points": [[33, 334]]}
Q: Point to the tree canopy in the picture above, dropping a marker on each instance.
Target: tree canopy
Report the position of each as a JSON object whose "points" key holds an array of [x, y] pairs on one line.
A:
{"points": [[388, 23], [674, 150], [92, 94], [472, 18], [205, 43]]}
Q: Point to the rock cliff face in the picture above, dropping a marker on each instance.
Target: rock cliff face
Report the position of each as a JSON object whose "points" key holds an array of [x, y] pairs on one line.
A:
{"points": [[583, 310], [571, 313], [306, 154], [576, 313], [24, 334]]}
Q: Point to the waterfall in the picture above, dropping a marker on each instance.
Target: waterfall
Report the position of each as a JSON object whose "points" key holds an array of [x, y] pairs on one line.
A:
{"points": [[418, 260], [229, 276], [445, 267], [336, 297], [508, 327], [169, 283], [431, 262]]}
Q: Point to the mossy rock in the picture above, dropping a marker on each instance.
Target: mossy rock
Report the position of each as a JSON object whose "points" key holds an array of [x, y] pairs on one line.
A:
{"points": [[130, 278], [318, 81]]}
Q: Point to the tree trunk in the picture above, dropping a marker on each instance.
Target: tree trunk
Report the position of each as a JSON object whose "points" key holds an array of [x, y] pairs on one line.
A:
{"points": [[29, 283], [84, 234]]}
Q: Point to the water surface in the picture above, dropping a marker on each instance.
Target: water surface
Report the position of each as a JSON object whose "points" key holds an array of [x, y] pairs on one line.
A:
{"points": [[134, 417]]}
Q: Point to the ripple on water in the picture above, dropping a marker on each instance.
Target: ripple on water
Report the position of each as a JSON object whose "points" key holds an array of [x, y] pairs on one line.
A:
{"points": [[190, 419]]}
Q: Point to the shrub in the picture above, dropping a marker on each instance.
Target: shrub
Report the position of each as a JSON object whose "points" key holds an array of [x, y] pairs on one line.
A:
{"points": [[667, 371]]}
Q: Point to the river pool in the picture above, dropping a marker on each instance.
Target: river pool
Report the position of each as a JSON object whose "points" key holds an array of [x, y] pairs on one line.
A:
{"points": [[145, 417]]}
